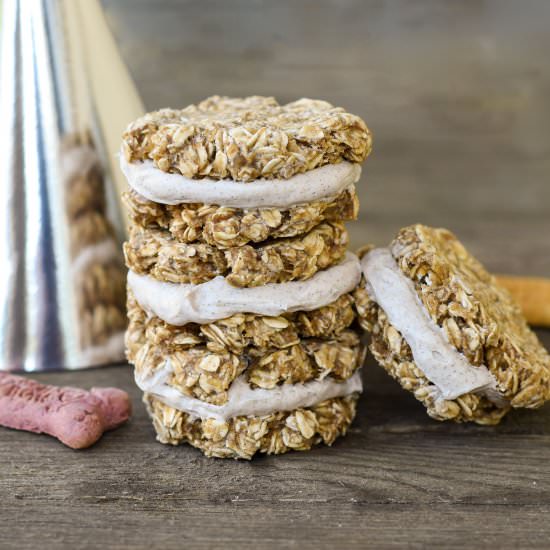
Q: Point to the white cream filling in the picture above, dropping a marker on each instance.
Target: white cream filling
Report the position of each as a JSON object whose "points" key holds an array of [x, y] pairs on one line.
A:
{"points": [[245, 401], [435, 356], [178, 304], [162, 187]]}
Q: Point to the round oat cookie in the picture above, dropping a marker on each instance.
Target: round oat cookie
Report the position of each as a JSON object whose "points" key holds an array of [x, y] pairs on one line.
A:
{"points": [[200, 373], [240, 332], [466, 332], [226, 227], [244, 436], [247, 138], [157, 253], [203, 361]]}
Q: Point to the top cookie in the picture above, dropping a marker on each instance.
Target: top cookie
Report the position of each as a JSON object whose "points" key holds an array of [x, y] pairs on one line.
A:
{"points": [[247, 138], [478, 316]]}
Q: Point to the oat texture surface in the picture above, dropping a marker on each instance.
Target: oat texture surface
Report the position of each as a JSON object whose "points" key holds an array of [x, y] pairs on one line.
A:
{"points": [[247, 138], [478, 317], [244, 436]]}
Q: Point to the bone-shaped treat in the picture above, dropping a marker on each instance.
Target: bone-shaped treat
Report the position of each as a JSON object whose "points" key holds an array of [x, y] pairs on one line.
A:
{"points": [[76, 417]]}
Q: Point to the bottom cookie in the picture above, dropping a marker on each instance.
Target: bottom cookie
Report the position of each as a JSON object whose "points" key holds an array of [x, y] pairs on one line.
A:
{"points": [[244, 436]]}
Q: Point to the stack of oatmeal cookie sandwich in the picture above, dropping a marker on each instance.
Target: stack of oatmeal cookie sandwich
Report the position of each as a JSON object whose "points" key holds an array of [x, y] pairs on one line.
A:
{"points": [[240, 282]]}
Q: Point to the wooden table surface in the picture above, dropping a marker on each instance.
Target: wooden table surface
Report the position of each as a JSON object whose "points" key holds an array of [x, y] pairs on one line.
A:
{"points": [[457, 96]]}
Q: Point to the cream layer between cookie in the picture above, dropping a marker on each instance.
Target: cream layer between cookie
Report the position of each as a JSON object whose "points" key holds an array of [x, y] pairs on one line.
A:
{"points": [[246, 401], [179, 304], [166, 188], [442, 364]]}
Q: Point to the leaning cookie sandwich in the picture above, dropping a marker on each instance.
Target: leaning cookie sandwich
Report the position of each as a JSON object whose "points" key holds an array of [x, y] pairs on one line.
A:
{"points": [[446, 331]]}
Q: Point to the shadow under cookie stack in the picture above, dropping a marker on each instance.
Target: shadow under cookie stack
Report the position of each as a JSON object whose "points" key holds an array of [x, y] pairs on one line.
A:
{"points": [[241, 320]]}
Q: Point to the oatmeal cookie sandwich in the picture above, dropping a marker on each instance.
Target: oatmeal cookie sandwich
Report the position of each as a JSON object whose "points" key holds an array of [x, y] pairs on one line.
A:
{"points": [[235, 371], [240, 308], [243, 188], [446, 331]]}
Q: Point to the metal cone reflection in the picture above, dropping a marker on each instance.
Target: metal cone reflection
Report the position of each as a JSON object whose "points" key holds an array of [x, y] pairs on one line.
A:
{"points": [[65, 98]]}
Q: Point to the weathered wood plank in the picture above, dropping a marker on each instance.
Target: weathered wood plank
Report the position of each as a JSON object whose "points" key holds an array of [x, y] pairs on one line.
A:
{"points": [[353, 526], [398, 478]]}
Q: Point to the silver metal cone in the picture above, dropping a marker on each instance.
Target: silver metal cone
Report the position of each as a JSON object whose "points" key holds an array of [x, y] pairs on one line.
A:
{"points": [[65, 99]]}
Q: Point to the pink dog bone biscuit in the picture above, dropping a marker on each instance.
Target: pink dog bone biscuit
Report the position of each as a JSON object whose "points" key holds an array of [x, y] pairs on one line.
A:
{"points": [[76, 417]]}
